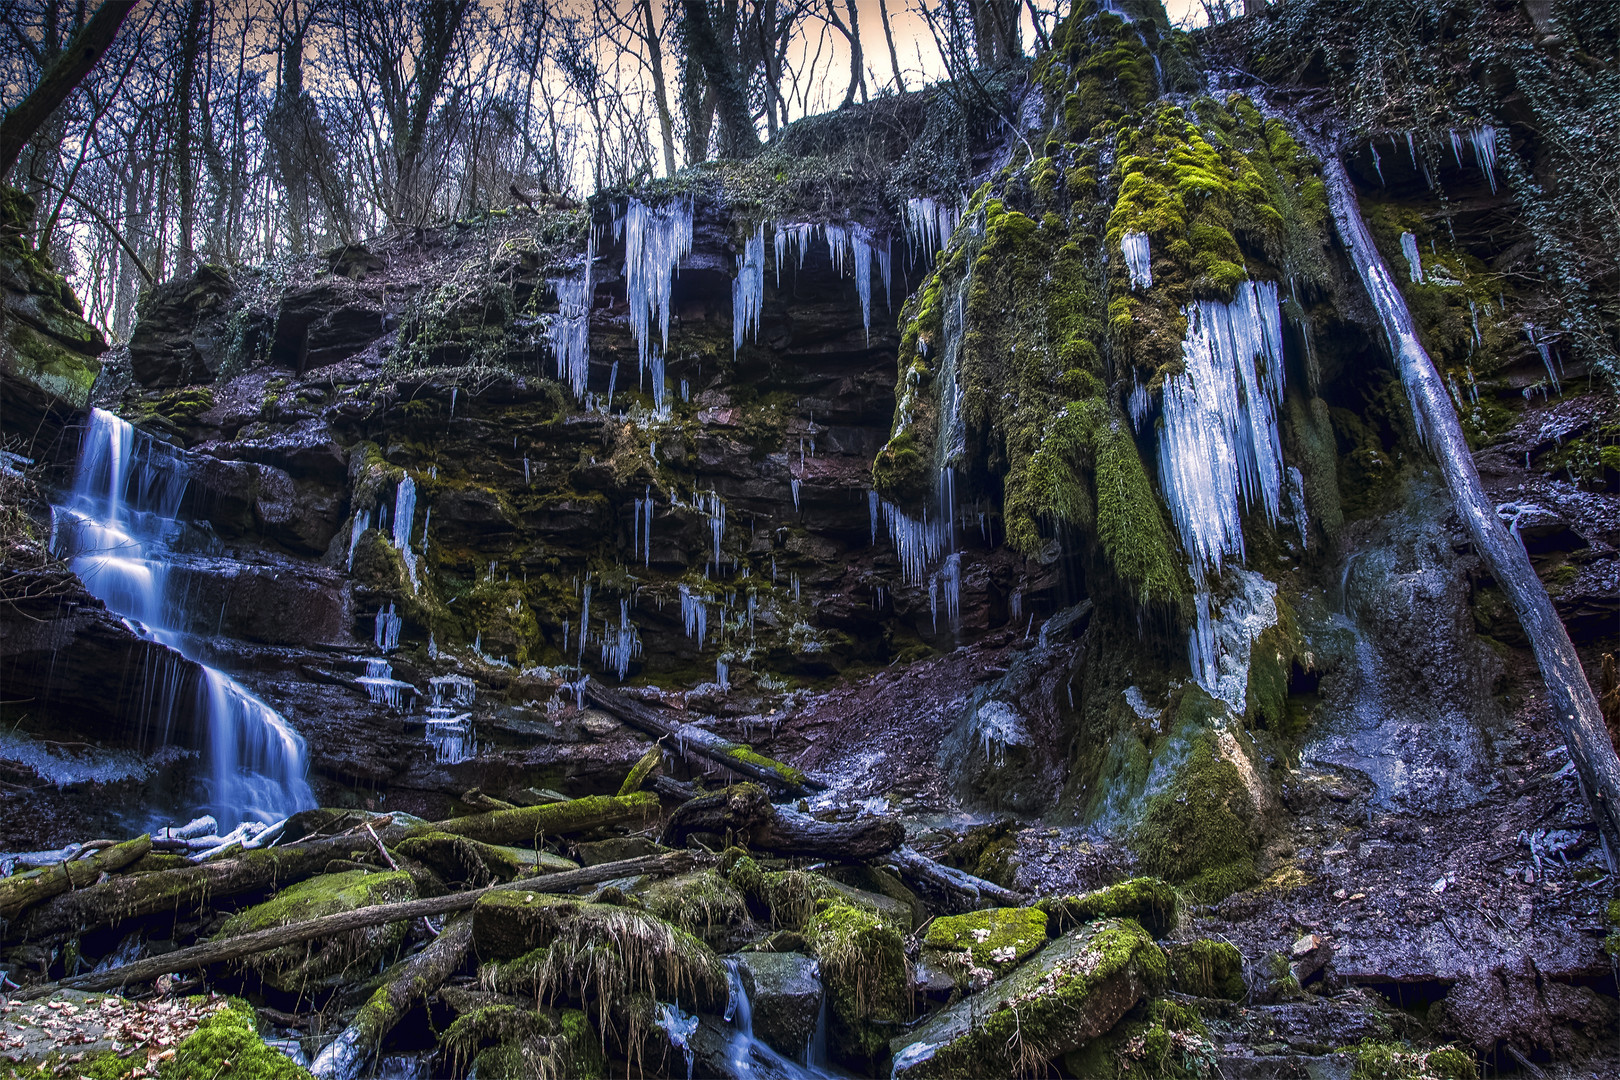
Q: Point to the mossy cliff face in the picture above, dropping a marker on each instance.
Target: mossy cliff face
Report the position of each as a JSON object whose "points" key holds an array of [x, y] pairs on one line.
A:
{"points": [[48, 352]]}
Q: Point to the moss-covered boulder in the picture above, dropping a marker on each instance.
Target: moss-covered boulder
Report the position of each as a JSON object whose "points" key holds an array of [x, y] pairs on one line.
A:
{"points": [[509, 1042], [325, 961], [1206, 968], [864, 970], [1157, 1040], [784, 990], [997, 940], [1150, 901], [1072, 991], [48, 353], [701, 903], [786, 899], [511, 922]]}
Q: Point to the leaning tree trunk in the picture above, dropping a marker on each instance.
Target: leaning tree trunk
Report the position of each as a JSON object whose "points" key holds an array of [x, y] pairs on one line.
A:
{"points": [[1573, 703]]}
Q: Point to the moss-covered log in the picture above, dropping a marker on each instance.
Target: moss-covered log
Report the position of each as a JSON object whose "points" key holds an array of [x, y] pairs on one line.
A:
{"points": [[743, 812], [216, 952], [22, 891], [973, 890], [692, 740], [411, 983], [527, 824]]}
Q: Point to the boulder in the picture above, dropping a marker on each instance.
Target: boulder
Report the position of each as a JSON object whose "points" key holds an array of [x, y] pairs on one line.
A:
{"points": [[784, 991], [997, 940], [1069, 993], [867, 980], [183, 334]]}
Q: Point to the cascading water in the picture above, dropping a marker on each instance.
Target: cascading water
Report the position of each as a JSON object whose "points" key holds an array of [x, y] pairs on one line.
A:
{"points": [[750, 1058], [117, 529]]}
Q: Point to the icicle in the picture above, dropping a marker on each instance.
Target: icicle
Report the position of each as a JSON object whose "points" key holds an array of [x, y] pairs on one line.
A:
{"points": [[655, 243], [584, 621], [794, 484], [722, 673], [860, 241], [1138, 403], [1544, 347], [1414, 259], [1456, 147], [386, 634], [526, 480], [1411, 149], [686, 390], [620, 644], [1138, 259], [948, 581], [613, 385], [779, 240], [872, 509], [748, 290], [647, 530], [1378, 166], [1484, 140], [885, 261], [362, 522], [453, 391], [837, 245]]}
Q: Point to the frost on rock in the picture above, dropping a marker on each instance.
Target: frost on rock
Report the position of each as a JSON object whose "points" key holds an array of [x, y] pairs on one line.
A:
{"points": [[655, 242], [1414, 261], [997, 725], [748, 290], [1138, 259]]}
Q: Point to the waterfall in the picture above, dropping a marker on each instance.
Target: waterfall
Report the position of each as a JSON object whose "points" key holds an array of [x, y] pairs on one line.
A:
{"points": [[116, 529], [749, 1058]]}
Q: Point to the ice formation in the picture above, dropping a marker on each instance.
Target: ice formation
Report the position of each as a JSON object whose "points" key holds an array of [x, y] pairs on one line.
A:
{"points": [[655, 242], [1414, 260], [1138, 259], [748, 290], [570, 331]]}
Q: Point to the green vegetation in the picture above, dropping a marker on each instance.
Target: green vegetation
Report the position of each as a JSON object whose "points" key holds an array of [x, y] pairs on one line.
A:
{"points": [[1157, 1040], [998, 939], [1206, 968], [1150, 901], [1397, 1061], [867, 981]]}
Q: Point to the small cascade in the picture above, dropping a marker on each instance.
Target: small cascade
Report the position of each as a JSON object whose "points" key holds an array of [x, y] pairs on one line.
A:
{"points": [[570, 331], [380, 683], [117, 529], [750, 1058], [655, 242], [1138, 259], [748, 290], [1414, 260], [449, 718]]}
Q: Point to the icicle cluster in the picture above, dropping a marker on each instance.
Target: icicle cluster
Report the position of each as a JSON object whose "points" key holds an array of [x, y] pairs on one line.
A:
{"points": [[748, 290], [947, 582], [362, 522], [918, 543], [1414, 260], [570, 331], [929, 225], [1138, 259], [387, 629], [404, 514], [694, 615], [711, 507], [641, 534], [860, 241], [656, 240], [620, 644], [1483, 140]]}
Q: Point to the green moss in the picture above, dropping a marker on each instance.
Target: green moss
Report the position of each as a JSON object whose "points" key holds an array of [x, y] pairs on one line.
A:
{"points": [[226, 1043], [1150, 901], [1198, 831], [1611, 943], [1157, 1040], [328, 961], [699, 903], [998, 939], [1206, 968], [507, 1042], [786, 772], [1398, 1061], [867, 981]]}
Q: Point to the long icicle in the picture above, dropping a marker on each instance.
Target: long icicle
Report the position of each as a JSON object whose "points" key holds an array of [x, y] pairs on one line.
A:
{"points": [[1574, 705]]}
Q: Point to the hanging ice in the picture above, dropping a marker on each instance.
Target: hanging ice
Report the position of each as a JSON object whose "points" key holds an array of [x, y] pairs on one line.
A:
{"points": [[837, 245], [386, 633], [1484, 140], [947, 581], [1414, 260], [404, 514], [872, 509], [620, 644], [748, 290], [381, 686], [794, 484], [885, 261], [362, 522], [115, 530], [570, 331], [1544, 347], [860, 241], [929, 225], [694, 614], [1219, 445], [1138, 259], [722, 673], [655, 243]]}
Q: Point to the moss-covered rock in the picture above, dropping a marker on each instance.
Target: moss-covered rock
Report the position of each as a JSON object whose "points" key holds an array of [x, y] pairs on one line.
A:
{"points": [[508, 1042], [1157, 1040], [1399, 1061], [327, 961], [1206, 968], [1150, 901], [1069, 993], [702, 903], [867, 980], [998, 939]]}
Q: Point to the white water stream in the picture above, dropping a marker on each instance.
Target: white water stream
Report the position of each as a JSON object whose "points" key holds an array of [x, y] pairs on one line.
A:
{"points": [[116, 529]]}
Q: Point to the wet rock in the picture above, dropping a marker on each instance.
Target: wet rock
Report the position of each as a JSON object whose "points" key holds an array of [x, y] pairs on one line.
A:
{"points": [[183, 335], [785, 992], [615, 849], [996, 940], [1206, 968], [1308, 956], [1517, 1005], [325, 322], [864, 970]]}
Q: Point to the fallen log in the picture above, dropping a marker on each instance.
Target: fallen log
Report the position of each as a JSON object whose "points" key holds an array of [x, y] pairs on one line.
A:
{"points": [[642, 769], [689, 740], [412, 982], [743, 813], [234, 948], [918, 866], [1574, 706], [523, 825], [22, 891]]}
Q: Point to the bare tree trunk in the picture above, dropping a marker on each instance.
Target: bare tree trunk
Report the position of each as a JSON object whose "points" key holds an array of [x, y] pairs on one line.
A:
{"points": [[190, 45], [730, 96], [59, 80], [655, 61], [888, 36], [1574, 706]]}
